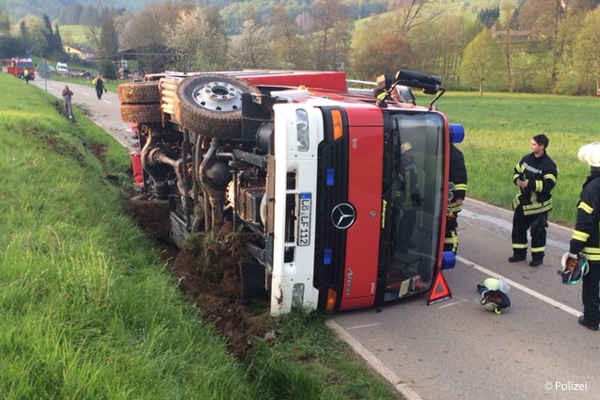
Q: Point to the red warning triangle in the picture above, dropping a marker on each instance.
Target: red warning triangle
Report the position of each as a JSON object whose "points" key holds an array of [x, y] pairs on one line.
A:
{"points": [[440, 290]]}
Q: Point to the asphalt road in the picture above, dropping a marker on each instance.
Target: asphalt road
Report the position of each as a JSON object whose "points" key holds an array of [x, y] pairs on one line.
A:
{"points": [[455, 349], [104, 112]]}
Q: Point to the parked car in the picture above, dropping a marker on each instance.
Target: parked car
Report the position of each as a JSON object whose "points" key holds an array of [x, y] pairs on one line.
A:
{"points": [[45, 70], [62, 68]]}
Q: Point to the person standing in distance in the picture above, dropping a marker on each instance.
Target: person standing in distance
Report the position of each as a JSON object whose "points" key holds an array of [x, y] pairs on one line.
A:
{"points": [[99, 85], [586, 237], [67, 94], [458, 176], [536, 176]]}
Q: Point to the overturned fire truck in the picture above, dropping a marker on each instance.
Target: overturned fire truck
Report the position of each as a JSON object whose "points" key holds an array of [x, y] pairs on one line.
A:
{"points": [[312, 170]]}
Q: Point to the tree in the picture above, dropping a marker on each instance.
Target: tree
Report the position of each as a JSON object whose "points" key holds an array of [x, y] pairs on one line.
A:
{"points": [[481, 60], [11, 46], [553, 25], [252, 48], [197, 41], [376, 50], [104, 35], [408, 14], [289, 49], [4, 23], [439, 46], [31, 31], [587, 54], [108, 69], [153, 54], [489, 16], [506, 37], [330, 34]]}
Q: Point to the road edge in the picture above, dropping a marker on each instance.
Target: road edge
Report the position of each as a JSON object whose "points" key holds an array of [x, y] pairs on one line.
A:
{"points": [[405, 391]]}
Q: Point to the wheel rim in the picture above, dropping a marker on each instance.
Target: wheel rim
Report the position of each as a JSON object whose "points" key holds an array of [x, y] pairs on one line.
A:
{"points": [[218, 96]]}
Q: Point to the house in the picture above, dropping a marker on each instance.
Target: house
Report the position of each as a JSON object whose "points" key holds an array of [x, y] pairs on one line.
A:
{"points": [[80, 52]]}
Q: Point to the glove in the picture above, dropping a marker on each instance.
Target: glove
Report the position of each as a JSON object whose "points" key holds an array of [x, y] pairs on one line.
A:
{"points": [[571, 262], [451, 223]]}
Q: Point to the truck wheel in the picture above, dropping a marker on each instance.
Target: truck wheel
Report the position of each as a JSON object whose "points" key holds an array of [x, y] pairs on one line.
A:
{"points": [[211, 105], [141, 113], [138, 92]]}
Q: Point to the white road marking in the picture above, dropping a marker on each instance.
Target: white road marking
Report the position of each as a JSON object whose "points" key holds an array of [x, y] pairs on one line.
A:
{"points": [[460, 300], [362, 326], [522, 288]]}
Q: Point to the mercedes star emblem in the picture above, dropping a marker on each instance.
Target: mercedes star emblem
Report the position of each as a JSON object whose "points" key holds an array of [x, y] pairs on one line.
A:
{"points": [[343, 216]]}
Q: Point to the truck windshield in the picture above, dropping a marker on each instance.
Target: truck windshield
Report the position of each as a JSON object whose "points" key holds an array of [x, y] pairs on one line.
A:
{"points": [[25, 64], [413, 183]]}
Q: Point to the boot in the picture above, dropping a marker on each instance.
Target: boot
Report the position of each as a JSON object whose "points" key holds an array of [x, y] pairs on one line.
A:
{"points": [[536, 259], [518, 255]]}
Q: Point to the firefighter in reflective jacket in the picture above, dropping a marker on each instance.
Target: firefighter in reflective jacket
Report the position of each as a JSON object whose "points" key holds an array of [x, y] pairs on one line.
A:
{"points": [[536, 176], [458, 177], [408, 196], [585, 241]]}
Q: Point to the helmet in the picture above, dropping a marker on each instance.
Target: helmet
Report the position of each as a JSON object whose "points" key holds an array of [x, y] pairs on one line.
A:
{"points": [[405, 147], [495, 301], [574, 275], [496, 284], [494, 295]]}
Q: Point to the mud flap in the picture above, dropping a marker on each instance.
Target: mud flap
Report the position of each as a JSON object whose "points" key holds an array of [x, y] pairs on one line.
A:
{"points": [[253, 282]]}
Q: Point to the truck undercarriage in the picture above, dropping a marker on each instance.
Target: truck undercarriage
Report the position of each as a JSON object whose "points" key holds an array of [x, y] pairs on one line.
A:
{"points": [[207, 147]]}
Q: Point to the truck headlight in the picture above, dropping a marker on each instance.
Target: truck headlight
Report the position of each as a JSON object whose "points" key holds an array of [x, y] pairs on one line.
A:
{"points": [[302, 137]]}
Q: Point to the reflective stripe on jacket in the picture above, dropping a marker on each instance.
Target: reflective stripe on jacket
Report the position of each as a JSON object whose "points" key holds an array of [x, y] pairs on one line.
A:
{"points": [[542, 175]]}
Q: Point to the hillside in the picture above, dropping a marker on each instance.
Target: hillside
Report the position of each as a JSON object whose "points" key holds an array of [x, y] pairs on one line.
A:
{"points": [[17, 9], [232, 12]]}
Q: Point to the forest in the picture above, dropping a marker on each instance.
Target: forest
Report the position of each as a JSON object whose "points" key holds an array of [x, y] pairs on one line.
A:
{"points": [[543, 46]]}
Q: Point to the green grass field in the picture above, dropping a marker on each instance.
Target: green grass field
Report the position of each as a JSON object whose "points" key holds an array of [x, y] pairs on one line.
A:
{"points": [[74, 34], [498, 129]]}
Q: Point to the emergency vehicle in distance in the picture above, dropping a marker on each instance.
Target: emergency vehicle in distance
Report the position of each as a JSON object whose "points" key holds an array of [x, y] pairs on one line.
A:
{"points": [[308, 168], [18, 65]]}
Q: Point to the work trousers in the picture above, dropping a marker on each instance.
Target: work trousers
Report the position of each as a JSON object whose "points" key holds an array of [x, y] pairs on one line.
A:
{"points": [[521, 223], [68, 108], [451, 235], [590, 294]]}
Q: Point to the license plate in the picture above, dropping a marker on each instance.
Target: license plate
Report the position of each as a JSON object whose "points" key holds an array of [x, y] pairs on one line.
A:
{"points": [[305, 203]]}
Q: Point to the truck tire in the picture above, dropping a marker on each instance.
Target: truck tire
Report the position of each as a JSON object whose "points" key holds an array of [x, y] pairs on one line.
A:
{"points": [[141, 113], [138, 93], [211, 105]]}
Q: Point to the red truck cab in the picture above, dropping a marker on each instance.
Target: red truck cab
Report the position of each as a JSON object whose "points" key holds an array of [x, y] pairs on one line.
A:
{"points": [[18, 66]]}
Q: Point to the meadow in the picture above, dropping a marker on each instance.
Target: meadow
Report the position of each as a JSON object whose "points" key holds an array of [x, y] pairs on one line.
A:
{"points": [[498, 130], [75, 35]]}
